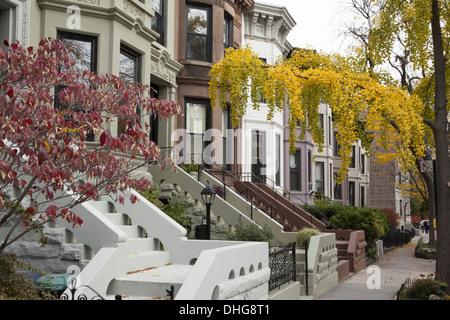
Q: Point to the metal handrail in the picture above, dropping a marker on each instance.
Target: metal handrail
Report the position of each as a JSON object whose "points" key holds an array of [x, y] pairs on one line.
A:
{"points": [[260, 181], [200, 168]]}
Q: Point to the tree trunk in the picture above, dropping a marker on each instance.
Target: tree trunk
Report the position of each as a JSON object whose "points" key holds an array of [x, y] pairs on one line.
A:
{"points": [[440, 130], [430, 200]]}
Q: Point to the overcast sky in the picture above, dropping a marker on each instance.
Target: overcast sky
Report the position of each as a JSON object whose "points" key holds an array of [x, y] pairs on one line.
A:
{"points": [[318, 23]]}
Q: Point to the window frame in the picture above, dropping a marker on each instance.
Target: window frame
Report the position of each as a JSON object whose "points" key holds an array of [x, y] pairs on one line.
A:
{"points": [[208, 36], [337, 188], [258, 153], [66, 35], [352, 193], [61, 35], [297, 184], [321, 167], [137, 57], [228, 31], [134, 55], [207, 104], [158, 23]]}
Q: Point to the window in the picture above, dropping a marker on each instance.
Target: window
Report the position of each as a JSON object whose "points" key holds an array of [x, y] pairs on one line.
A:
{"points": [[8, 21], [198, 33], [197, 122], [336, 145], [295, 173], [351, 193], [226, 126], [363, 197], [331, 181], [352, 163], [84, 53], [154, 117], [337, 189], [309, 167], [363, 163], [228, 32], [329, 131], [320, 175], [159, 20], [278, 160], [84, 50], [258, 156], [129, 71], [322, 127]]}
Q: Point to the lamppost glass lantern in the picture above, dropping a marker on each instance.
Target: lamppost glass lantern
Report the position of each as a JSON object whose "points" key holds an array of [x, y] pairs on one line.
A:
{"points": [[208, 196]]}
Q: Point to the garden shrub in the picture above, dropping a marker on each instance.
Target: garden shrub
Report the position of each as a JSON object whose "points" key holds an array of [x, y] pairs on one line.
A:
{"points": [[328, 209], [14, 284], [251, 232], [305, 234], [421, 289], [175, 208], [392, 217], [372, 221]]}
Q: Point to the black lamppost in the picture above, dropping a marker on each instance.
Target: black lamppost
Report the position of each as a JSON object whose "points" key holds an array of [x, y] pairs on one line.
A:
{"points": [[208, 196]]}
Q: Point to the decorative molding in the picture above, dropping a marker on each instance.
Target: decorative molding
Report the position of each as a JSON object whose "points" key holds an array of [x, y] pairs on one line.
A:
{"points": [[131, 9], [163, 66], [93, 2]]}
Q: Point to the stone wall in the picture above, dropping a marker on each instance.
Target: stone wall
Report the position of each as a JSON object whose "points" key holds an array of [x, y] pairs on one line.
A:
{"points": [[322, 265], [382, 184], [254, 286], [56, 256]]}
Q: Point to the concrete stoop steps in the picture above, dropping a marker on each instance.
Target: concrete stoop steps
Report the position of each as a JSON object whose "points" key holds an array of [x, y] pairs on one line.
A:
{"points": [[153, 283], [149, 274]]}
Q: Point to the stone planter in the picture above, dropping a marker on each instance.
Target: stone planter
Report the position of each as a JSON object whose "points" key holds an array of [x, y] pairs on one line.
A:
{"points": [[424, 255]]}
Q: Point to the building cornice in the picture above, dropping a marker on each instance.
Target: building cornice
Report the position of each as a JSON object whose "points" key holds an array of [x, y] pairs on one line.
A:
{"points": [[244, 4], [130, 13], [269, 23]]}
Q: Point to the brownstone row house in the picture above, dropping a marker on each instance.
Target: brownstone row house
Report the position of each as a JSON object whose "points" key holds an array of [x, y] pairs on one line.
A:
{"points": [[172, 45], [203, 30]]}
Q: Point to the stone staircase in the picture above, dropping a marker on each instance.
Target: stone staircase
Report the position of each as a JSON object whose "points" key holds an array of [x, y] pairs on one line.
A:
{"points": [[145, 255], [147, 269], [287, 213]]}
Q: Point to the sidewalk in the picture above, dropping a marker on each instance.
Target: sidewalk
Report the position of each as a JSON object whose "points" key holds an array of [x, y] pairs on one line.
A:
{"points": [[394, 268]]}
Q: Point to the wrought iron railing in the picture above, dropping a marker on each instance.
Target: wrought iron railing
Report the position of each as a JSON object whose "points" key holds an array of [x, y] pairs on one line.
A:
{"points": [[313, 212], [72, 288], [396, 238], [244, 193], [283, 267]]}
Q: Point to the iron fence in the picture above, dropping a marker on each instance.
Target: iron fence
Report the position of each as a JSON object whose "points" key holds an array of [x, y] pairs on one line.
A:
{"points": [[397, 238], [282, 265]]}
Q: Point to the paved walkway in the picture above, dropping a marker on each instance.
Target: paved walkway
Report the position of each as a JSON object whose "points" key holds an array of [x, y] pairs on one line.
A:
{"points": [[392, 269]]}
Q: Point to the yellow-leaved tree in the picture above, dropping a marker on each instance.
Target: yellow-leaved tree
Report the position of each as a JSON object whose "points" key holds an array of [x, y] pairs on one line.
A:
{"points": [[413, 37], [365, 102], [361, 105]]}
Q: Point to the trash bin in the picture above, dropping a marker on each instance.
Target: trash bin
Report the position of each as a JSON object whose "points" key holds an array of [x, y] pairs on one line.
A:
{"points": [[201, 232], [54, 283]]}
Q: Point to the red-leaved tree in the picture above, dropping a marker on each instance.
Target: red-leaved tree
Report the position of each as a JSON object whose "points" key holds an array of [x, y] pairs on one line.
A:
{"points": [[43, 149]]}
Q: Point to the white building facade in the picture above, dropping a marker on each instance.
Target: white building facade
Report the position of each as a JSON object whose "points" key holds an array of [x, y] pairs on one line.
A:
{"points": [[265, 30]]}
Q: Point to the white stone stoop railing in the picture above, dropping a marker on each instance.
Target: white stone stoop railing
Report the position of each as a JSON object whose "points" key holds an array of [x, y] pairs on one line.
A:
{"points": [[235, 209], [194, 269], [322, 265]]}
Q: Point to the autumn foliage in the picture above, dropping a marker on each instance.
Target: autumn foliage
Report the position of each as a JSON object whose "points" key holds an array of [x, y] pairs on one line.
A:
{"points": [[363, 106], [392, 217], [47, 111]]}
